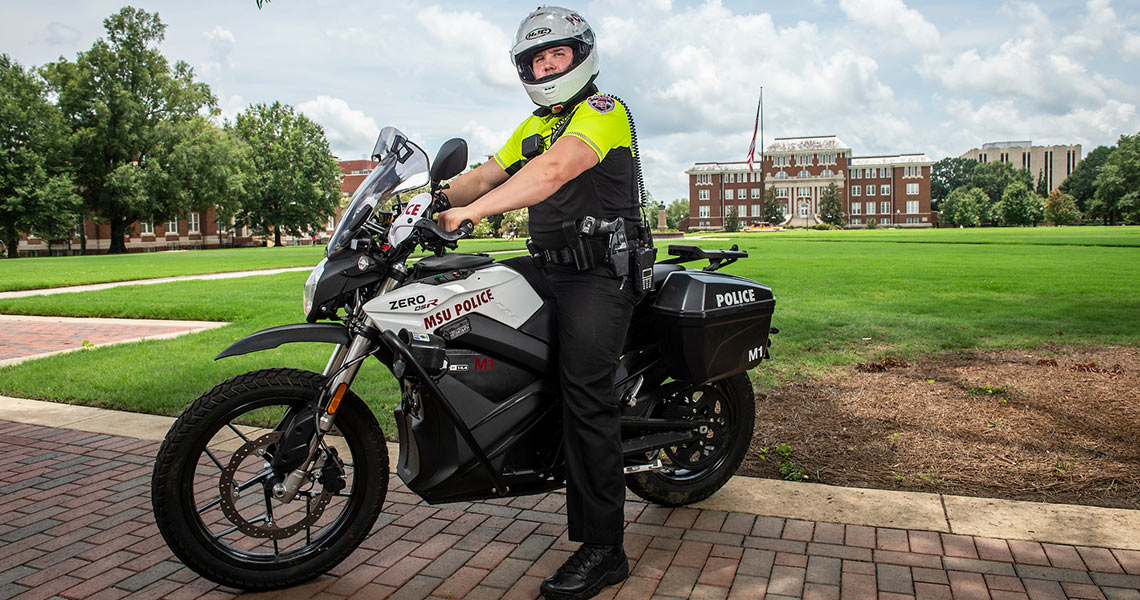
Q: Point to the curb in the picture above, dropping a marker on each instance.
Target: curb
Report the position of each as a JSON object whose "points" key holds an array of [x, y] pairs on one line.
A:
{"points": [[986, 517]]}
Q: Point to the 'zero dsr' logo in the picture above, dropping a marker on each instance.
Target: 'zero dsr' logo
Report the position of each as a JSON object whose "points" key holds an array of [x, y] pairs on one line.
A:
{"points": [[537, 33]]}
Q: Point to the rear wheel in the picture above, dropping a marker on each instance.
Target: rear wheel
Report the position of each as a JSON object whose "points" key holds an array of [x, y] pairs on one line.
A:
{"points": [[213, 486], [696, 469]]}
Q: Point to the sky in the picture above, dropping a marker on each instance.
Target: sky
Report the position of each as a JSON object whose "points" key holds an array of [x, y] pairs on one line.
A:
{"points": [[886, 76]]}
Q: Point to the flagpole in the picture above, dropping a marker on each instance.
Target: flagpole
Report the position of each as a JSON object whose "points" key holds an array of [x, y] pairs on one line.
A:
{"points": [[762, 190]]}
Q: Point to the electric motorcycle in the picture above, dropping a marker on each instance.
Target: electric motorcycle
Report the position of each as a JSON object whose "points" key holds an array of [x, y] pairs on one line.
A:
{"points": [[274, 477]]}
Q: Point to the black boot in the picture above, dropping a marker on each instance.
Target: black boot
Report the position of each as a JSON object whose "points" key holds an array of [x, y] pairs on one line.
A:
{"points": [[590, 569]]}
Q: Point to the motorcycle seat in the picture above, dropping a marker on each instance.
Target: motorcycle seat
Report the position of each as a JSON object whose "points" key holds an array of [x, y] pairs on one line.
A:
{"points": [[454, 261]]}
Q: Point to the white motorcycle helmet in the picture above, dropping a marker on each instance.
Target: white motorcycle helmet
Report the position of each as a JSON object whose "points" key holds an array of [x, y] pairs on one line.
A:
{"points": [[548, 27]]}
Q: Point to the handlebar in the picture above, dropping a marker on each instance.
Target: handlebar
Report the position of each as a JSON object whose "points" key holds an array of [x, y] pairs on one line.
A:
{"points": [[448, 237]]}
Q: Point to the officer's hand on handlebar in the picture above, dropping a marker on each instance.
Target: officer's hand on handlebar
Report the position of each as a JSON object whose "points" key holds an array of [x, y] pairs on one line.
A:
{"points": [[450, 220]]}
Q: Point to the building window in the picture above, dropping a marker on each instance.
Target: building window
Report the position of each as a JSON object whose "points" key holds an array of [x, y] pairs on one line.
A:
{"points": [[755, 193], [912, 189], [172, 226], [870, 208], [912, 206], [803, 173], [195, 223], [803, 209], [728, 194], [703, 194], [331, 224], [146, 228], [703, 212], [856, 190], [885, 190], [884, 208], [856, 208], [781, 175], [871, 189], [755, 210], [782, 192], [726, 178], [827, 173], [803, 191]]}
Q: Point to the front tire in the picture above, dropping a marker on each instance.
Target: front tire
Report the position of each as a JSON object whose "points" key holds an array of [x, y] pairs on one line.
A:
{"points": [[696, 470], [227, 436]]}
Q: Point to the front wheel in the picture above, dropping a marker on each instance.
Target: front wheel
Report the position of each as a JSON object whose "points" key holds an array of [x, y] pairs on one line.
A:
{"points": [[213, 484], [697, 469]]}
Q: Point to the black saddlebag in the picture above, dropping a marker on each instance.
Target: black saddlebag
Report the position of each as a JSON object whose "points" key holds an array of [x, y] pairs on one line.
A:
{"points": [[711, 325]]}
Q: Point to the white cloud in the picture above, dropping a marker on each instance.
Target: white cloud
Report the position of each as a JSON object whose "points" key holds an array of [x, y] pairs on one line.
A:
{"points": [[221, 43], [1005, 119], [471, 44], [892, 16], [482, 141], [348, 130], [58, 34]]}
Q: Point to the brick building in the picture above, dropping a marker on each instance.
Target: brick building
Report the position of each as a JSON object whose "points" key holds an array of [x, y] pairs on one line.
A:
{"points": [[1043, 162], [188, 231], [892, 190]]}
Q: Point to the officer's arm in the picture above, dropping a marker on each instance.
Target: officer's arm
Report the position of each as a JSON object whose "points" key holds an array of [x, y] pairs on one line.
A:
{"points": [[471, 185], [568, 158]]}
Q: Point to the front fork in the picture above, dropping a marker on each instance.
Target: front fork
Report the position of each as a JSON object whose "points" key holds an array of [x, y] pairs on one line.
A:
{"points": [[339, 373]]}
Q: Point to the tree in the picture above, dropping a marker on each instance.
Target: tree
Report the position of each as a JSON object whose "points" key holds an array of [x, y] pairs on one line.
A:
{"points": [[731, 221], [771, 211], [1042, 187], [1080, 182], [36, 195], [993, 179], [115, 96], [830, 207], [677, 211], [964, 207], [1117, 185], [195, 166], [296, 181], [947, 175], [1019, 206], [1061, 208]]}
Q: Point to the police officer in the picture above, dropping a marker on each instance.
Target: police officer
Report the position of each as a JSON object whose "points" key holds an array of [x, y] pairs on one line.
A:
{"points": [[571, 159]]}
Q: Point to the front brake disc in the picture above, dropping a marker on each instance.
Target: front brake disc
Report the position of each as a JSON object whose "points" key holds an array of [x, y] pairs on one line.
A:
{"points": [[262, 527]]}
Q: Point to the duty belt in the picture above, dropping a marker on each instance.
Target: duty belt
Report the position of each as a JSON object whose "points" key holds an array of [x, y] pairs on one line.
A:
{"points": [[565, 256]]}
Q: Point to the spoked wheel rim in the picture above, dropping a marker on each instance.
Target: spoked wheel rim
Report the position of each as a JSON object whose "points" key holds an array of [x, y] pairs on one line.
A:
{"points": [[249, 524], [709, 405]]}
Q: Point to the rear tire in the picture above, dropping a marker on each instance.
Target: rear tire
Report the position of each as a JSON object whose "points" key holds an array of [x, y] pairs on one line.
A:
{"points": [[729, 402], [212, 536]]}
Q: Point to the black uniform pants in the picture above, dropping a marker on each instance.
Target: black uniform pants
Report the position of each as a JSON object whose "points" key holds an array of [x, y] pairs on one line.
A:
{"points": [[593, 316]]}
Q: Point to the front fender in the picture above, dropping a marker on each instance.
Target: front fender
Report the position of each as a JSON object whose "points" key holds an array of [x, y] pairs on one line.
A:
{"points": [[273, 337]]}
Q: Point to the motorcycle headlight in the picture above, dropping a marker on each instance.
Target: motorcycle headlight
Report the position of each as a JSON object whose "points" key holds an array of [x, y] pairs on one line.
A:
{"points": [[311, 288]]}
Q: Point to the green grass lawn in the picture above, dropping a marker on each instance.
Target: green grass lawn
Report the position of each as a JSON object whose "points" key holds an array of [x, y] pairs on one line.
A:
{"points": [[842, 297], [49, 272]]}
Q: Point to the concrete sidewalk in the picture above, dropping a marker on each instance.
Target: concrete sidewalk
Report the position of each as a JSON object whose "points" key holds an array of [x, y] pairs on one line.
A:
{"points": [[75, 522], [113, 284]]}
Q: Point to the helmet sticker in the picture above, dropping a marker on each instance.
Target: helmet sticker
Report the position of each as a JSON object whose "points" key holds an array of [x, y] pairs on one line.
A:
{"points": [[601, 103], [537, 33], [574, 19]]}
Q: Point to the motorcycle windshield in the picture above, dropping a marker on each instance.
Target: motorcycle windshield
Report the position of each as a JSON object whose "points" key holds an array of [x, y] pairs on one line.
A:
{"points": [[403, 166]]}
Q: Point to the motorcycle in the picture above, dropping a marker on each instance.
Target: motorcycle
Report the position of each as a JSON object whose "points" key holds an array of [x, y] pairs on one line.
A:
{"points": [[275, 476]]}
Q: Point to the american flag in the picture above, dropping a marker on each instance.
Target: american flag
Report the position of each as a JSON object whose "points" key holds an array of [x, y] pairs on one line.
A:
{"points": [[755, 127]]}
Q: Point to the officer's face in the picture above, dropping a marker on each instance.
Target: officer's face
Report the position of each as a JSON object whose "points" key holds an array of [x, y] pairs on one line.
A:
{"points": [[551, 61]]}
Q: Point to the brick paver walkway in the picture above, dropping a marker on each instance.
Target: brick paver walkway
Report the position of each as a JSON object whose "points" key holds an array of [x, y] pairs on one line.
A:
{"points": [[22, 337], [75, 522]]}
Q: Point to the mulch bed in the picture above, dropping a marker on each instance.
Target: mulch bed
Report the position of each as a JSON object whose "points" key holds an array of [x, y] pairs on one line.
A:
{"points": [[1056, 424]]}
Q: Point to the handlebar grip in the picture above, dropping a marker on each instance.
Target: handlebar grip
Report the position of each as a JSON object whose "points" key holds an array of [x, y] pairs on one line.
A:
{"points": [[465, 228]]}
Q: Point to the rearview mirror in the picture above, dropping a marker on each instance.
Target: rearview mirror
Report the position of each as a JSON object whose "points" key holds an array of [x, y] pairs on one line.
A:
{"points": [[450, 161]]}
